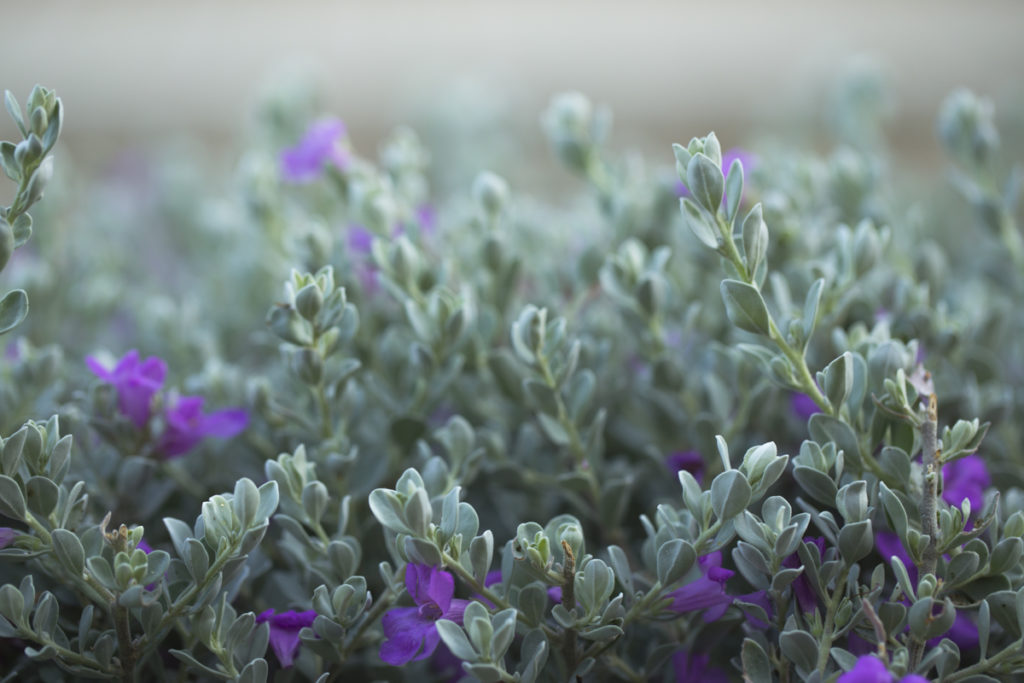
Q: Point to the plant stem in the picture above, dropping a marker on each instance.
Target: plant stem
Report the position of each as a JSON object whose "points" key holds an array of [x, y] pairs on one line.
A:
{"points": [[929, 502], [830, 619], [125, 647]]}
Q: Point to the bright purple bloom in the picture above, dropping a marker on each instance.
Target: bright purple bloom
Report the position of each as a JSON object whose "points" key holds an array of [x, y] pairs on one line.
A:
{"points": [[186, 425], [870, 669], [691, 461], [888, 544], [966, 478], [410, 632], [321, 145], [805, 596], [706, 593], [136, 383], [803, 406], [693, 668], [7, 536], [145, 547], [284, 632]]}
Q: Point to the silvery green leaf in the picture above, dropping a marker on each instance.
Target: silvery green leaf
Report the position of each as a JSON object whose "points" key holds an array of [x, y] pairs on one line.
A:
{"points": [[730, 494], [734, 193], [837, 379], [745, 306], [784, 577], [196, 559], [387, 508], [924, 623], [477, 622], [47, 611], [315, 499], [856, 541], [14, 109], [800, 647], [984, 628], [418, 512], [12, 604], [255, 671], [456, 640], [604, 632], [674, 559], [852, 501], [895, 513], [420, 551], [69, 550], [962, 568], [13, 309], [504, 625], [41, 495], [12, 501], [485, 673], [100, 569], [1006, 555], [699, 223], [705, 181], [532, 602], [481, 553], [811, 303], [756, 666], [755, 237], [824, 428], [553, 429], [816, 484], [620, 564], [246, 501]]}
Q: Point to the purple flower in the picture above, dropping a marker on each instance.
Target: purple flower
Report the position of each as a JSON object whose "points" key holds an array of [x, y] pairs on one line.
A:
{"points": [[870, 669], [7, 536], [410, 631], [284, 632], [746, 158], [321, 145], [145, 547], [691, 668], [966, 478], [136, 383], [360, 240], [426, 216], [706, 593], [691, 461], [805, 596], [803, 406], [186, 425], [888, 544]]}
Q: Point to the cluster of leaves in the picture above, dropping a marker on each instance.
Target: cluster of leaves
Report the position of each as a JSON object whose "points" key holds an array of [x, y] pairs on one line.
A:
{"points": [[478, 398]]}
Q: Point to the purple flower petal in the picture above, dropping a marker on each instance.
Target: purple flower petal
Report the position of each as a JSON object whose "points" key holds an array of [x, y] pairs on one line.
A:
{"points": [[321, 145], [360, 240], [691, 668], [691, 461], [966, 478], [136, 383], [803, 406], [869, 669], [186, 425], [284, 632], [410, 632], [707, 592], [7, 536]]}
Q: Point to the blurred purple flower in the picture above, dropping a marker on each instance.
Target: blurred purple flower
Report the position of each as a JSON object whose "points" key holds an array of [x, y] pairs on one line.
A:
{"points": [[426, 216], [888, 544], [284, 632], [693, 668], [7, 536], [966, 478], [805, 596], [803, 406], [691, 461], [360, 240], [186, 425], [410, 632], [748, 160], [706, 593], [319, 146], [870, 669], [145, 547], [12, 353], [136, 383]]}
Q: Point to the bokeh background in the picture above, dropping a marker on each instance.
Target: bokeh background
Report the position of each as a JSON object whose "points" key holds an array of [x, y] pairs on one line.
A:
{"points": [[136, 75]]}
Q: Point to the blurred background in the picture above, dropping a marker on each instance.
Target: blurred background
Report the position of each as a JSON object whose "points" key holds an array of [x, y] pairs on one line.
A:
{"points": [[132, 74]]}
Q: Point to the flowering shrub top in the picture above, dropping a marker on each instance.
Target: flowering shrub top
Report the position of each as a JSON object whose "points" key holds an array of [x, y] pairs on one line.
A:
{"points": [[669, 433]]}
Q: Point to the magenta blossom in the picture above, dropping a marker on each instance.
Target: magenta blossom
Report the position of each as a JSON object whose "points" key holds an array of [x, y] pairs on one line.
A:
{"points": [[966, 478], [321, 145], [691, 668], [359, 240], [803, 406], [284, 632], [706, 593], [7, 536], [870, 669], [410, 632], [186, 425], [136, 383], [691, 461]]}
